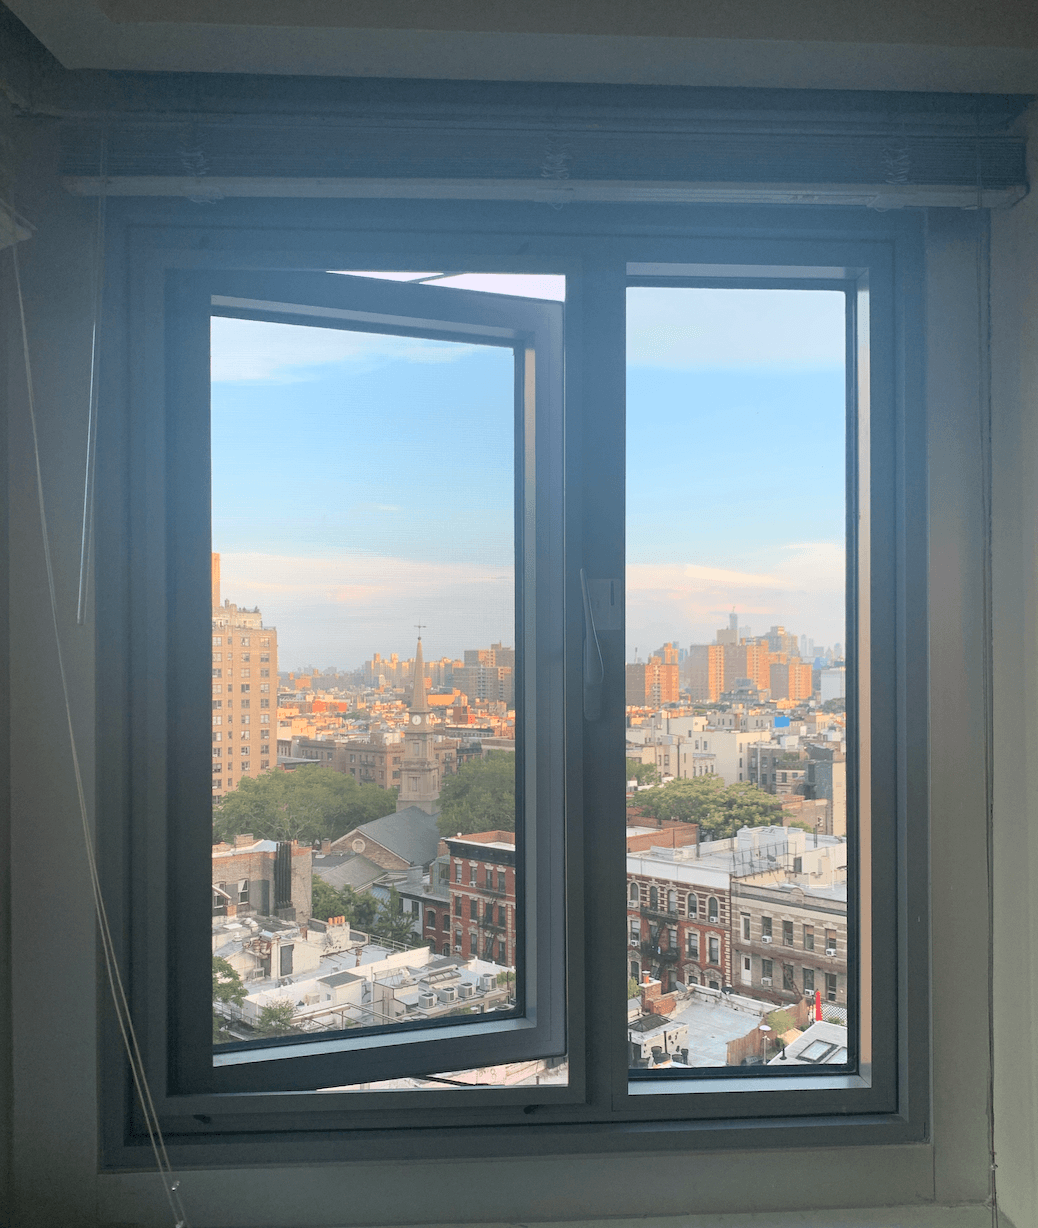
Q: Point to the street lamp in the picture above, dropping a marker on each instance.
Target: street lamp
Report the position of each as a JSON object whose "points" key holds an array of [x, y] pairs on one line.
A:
{"points": [[764, 1029]]}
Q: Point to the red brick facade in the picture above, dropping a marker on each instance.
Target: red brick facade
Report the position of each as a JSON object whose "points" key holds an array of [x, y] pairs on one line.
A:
{"points": [[483, 918]]}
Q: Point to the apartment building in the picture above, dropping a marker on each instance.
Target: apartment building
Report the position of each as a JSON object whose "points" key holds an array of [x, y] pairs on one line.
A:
{"points": [[678, 911], [790, 940], [483, 915], [245, 689]]}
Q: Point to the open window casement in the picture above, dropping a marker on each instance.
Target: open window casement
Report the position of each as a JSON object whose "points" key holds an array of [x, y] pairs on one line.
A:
{"points": [[532, 1023]]}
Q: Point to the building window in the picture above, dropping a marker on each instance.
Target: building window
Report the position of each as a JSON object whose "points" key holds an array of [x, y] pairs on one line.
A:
{"points": [[766, 970], [830, 942], [765, 927], [744, 921], [787, 933], [787, 978], [635, 936], [473, 907], [830, 986], [809, 980], [713, 948], [633, 894], [712, 911], [457, 871], [693, 905], [809, 937], [692, 949]]}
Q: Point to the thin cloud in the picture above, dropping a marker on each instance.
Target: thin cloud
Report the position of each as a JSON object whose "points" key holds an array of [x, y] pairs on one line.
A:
{"points": [[690, 329], [804, 590], [338, 611], [254, 351]]}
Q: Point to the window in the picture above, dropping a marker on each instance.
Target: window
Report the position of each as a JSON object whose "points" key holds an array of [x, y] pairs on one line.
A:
{"points": [[788, 983], [633, 894], [830, 987], [457, 873], [809, 980], [192, 294], [635, 935], [809, 937], [766, 970], [765, 927], [744, 921], [787, 933], [830, 942]]}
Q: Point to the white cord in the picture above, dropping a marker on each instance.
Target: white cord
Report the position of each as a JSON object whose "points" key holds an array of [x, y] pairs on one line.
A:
{"points": [[122, 1009]]}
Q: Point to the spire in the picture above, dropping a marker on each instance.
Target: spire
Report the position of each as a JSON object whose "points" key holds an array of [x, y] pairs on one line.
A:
{"points": [[419, 702]]}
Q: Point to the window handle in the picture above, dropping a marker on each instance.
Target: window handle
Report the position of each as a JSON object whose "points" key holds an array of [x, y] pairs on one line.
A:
{"points": [[594, 671]]}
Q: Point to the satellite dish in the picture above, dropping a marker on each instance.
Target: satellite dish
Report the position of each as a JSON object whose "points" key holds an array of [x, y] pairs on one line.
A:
{"points": [[680, 986]]}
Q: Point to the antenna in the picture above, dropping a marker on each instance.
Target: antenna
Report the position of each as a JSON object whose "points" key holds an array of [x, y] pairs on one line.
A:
{"points": [[420, 626]]}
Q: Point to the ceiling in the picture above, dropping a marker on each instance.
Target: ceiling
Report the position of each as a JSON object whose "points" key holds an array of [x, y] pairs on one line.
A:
{"points": [[951, 45]]}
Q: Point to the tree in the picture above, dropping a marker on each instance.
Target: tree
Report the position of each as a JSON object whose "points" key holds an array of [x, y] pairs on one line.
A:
{"points": [[309, 803], [719, 809], [643, 773], [276, 1019], [392, 923], [227, 988], [480, 796]]}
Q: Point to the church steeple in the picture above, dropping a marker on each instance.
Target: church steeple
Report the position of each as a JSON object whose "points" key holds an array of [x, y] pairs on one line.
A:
{"points": [[419, 700], [420, 772]]}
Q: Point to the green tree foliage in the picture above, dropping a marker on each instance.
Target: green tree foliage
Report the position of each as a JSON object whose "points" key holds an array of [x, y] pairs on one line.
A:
{"points": [[227, 987], [480, 796], [276, 1019], [719, 809], [308, 803], [643, 773]]}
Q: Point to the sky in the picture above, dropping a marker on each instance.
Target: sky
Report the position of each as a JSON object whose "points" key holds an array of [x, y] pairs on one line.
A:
{"points": [[363, 483]]}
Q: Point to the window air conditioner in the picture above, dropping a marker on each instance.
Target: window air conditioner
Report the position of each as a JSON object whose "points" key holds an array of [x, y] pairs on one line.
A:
{"points": [[765, 937], [830, 950], [765, 980]]}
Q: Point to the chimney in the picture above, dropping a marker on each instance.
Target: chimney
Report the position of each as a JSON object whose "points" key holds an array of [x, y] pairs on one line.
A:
{"points": [[244, 840], [326, 845]]}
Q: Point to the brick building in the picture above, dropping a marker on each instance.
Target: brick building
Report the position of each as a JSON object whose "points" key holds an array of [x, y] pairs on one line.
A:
{"points": [[654, 683], [482, 891], [789, 940], [264, 877], [245, 691], [678, 914]]}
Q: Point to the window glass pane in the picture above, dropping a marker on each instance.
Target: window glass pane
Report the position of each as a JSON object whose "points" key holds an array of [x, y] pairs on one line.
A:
{"points": [[363, 604], [736, 721]]}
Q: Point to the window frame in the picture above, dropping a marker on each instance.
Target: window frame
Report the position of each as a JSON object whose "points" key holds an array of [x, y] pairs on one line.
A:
{"points": [[709, 1116]]}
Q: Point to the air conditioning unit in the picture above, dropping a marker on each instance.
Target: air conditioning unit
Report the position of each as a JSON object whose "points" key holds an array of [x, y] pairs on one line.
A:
{"points": [[765, 937], [466, 989], [487, 981], [448, 993], [830, 950], [765, 980], [426, 999]]}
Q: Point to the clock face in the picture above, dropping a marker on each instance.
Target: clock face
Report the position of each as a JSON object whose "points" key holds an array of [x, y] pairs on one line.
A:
{"points": [[416, 720]]}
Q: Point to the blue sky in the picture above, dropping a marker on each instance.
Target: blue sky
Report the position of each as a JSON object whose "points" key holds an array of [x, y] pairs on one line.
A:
{"points": [[363, 483]]}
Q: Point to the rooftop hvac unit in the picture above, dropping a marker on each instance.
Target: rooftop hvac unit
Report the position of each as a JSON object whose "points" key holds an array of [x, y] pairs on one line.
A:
{"points": [[448, 993], [466, 989], [487, 982], [426, 999], [765, 937], [830, 950]]}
